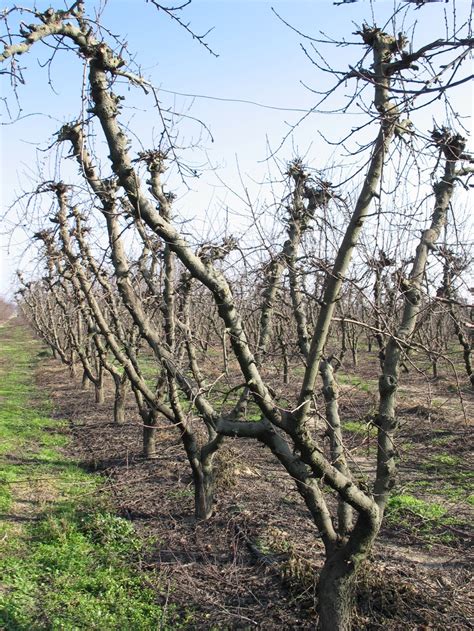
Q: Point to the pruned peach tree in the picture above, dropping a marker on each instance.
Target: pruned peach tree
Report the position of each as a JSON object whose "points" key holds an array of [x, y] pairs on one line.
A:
{"points": [[158, 293]]}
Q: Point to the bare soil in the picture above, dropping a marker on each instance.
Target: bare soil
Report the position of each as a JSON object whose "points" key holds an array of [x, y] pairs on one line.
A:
{"points": [[252, 564]]}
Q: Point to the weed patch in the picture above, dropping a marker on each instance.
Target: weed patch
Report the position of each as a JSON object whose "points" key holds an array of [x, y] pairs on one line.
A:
{"points": [[358, 427], [442, 461], [430, 521], [364, 385]]}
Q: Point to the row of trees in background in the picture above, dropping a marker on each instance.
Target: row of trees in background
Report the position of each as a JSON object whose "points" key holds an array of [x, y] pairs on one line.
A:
{"points": [[221, 342], [7, 310]]}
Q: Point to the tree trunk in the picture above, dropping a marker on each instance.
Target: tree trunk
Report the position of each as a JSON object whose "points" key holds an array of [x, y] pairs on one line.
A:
{"points": [[336, 594], [224, 353], [203, 491], [286, 363], [99, 391], [337, 581], [149, 438], [355, 356], [85, 381], [354, 337], [120, 400]]}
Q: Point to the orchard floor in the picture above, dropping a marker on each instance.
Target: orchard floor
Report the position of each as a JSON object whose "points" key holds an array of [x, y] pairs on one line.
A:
{"points": [[252, 564]]}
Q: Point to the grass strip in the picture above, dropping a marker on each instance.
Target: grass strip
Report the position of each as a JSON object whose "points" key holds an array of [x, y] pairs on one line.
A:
{"points": [[66, 561]]}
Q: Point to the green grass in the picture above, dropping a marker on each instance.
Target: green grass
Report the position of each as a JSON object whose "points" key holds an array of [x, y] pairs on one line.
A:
{"points": [[180, 494], [365, 385], [66, 561], [358, 427], [441, 441], [427, 520], [458, 481], [399, 505], [442, 461], [453, 491]]}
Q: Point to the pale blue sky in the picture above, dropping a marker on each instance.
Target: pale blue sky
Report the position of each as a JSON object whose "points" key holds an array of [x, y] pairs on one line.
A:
{"points": [[260, 59]]}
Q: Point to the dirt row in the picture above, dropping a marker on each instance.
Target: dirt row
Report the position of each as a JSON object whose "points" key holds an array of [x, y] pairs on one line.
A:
{"points": [[253, 564]]}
